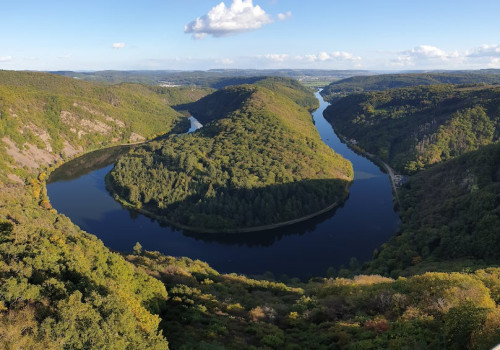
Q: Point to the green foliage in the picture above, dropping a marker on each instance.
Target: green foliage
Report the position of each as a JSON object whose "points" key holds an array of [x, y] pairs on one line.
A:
{"points": [[258, 161], [71, 291], [428, 311], [381, 82], [449, 212], [45, 118], [416, 127]]}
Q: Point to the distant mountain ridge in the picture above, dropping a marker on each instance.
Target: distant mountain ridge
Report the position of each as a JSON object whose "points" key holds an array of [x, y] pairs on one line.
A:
{"points": [[381, 82]]}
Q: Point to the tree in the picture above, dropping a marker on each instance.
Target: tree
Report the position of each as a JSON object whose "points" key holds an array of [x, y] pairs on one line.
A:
{"points": [[137, 248]]}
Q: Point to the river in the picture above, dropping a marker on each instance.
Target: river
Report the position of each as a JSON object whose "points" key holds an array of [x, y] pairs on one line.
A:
{"points": [[365, 221]]}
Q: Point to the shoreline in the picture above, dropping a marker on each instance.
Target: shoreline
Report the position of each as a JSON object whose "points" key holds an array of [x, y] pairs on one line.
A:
{"points": [[162, 219], [388, 170]]}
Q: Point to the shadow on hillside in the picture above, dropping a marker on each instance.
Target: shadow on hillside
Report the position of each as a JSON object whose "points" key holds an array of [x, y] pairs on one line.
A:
{"points": [[225, 214]]}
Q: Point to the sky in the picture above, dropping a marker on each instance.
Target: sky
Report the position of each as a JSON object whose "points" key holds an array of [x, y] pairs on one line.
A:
{"points": [[387, 35]]}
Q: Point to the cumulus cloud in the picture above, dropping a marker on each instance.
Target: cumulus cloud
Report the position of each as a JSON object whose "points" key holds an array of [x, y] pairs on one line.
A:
{"points": [[333, 56], [283, 16], [118, 45], [220, 21], [426, 51], [5, 58], [485, 51], [281, 57], [426, 55]]}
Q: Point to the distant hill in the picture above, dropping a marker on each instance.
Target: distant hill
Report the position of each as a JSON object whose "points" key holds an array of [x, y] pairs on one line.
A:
{"points": [[391, 81], [215, 78], [258, 161], [413, 128]]}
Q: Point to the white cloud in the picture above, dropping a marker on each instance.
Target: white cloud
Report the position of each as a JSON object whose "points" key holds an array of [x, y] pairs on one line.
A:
{"points": [[282, 57], [5, 58], [64, 57], [426, 55], [485, 51], [118, 45], [283, 16], [426, 51], [220, 21], [333, 56]]}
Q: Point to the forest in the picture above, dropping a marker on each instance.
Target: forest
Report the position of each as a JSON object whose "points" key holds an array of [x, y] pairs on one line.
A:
{"points": [[413, 128], [365, 83], [446, 137], [62, 288], [209, 310], [450, 215], [257, 161]]}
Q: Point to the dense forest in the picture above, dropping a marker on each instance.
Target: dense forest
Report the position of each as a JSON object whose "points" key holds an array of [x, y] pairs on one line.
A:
{"points": [[61, 288], [381, 82], [257, 161], [450, 214], [412, 128], [208, 310], [447, 137]]}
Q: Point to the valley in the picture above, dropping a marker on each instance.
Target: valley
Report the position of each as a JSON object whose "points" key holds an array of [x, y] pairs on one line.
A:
{"points": [[60, 285]]}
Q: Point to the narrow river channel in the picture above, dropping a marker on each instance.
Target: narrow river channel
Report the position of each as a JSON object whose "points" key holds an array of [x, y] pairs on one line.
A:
{"points": [[365, 221]]}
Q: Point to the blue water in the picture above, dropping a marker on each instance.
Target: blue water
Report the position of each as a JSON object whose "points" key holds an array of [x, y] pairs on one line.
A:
{"points": [[365, 221]]}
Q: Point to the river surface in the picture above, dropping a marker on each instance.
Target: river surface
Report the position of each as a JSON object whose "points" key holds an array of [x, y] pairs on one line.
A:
{"points": [[365, 221]]}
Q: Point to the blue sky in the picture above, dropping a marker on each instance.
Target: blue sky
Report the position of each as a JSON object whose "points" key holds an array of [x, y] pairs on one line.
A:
{"points": [[205, 34]]}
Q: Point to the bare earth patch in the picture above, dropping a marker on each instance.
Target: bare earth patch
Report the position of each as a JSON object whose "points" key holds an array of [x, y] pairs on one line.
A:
{"points": [[31, 156], [136, 137]]}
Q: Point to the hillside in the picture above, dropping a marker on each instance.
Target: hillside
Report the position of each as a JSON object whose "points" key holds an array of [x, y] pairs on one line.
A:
{"points": [[257, 161], [59, 286], [47, 118], [413, 128], [450, 212], [382, 82], [209, 310]]}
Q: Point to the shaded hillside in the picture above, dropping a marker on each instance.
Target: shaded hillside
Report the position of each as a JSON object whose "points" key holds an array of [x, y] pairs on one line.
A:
{"points": [[449, 212], [208, 310], [412, 128], [392, 81], [258, 161]]}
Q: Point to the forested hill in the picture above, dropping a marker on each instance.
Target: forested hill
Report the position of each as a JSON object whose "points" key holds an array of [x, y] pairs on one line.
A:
{"points": [[59, 286], [381, 82], [450, 212], [412, 128], [223, 102], [258, 161], [45, 118]]}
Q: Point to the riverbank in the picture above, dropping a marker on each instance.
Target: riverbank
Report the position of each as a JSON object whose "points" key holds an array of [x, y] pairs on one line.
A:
{"points": [[375, 160], [305, 249], [162, 219]]}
